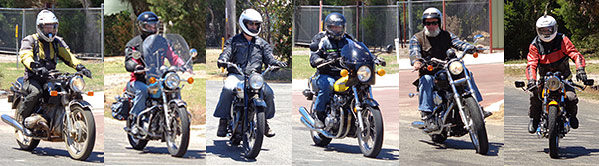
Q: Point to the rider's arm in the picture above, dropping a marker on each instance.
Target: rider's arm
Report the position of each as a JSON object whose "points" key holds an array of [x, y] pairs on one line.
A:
{"points": [[65, 53], [173, 58], [227, 51], [131, 47], [457, 43], [571, 51], [316, 52], [267, 57], [26, 51], [415, 50], [533, 61]]}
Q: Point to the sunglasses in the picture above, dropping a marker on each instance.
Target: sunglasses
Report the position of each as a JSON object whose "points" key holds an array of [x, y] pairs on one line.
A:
{"points": [[253, 23], [431, 23]]}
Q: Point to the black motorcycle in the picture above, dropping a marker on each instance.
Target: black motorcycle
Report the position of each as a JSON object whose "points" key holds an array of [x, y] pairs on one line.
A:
{"points": [[166, 117], [248, 121], [62, 115], [456, 110], [554, 123], [352, 110]]}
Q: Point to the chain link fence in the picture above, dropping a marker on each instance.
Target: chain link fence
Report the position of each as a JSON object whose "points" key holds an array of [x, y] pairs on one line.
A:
{"points": [[380, 25], [81, 28]]}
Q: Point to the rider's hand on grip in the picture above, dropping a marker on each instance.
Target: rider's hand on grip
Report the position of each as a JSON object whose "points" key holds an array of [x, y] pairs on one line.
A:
{"points": [[581, 75], [531, 83]]}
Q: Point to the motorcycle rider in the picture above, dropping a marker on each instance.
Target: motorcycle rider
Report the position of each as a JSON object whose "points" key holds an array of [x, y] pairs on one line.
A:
{"points": [[433, 42], [327, 45], [249, 52], [550, 51], [38, 54], [147, 23]]}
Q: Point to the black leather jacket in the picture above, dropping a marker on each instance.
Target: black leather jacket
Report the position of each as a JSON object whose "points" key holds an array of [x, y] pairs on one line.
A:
{"points": [[327, 49], [249, 56]]}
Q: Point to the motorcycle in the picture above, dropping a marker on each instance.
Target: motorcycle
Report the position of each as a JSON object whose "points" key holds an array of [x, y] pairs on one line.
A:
{"points": [[554, 123], [248, 121], [456, 110], [62, 115], [351, 110], [166, 117]]}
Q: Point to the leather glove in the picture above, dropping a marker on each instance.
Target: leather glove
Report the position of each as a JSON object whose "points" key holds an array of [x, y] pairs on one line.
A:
{"points": [[581, 75], [318, 61], [84, 70], [139, 69], [41, 71], [221, 65], [531, 83], [282, 64]]}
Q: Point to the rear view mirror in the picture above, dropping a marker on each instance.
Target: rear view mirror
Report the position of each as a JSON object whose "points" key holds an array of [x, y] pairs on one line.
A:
{"points": [[519, 84], [193, 52], [589, 82]]}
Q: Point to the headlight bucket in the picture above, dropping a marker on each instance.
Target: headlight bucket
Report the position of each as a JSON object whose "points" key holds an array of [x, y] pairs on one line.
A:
{"points": [[172, 80], [456, 67], [364, 73], [256, 81], [77, 84]]}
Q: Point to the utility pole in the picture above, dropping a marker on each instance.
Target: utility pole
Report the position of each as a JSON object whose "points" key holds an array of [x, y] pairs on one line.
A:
{"points": [[230, 19]]}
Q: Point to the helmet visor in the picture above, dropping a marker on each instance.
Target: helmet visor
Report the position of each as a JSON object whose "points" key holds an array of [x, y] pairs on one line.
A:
{"points": [[149, 26], [252, 26], [336, 29], [546, 31], [48, 29]]}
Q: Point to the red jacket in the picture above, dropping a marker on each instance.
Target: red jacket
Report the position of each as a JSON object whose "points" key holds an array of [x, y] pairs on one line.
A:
{"points": [[552, 56]]}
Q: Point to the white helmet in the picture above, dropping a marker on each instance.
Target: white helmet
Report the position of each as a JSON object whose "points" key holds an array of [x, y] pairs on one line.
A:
{"points": [[546, 28], [46, 17], [432, 12], [247, 16]]}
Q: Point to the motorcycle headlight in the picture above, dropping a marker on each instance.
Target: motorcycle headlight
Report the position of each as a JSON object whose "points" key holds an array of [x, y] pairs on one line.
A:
{"points": [[553, 83], [77, 84], [172, 80], [364, 73], [456, 68], [256, 81]]}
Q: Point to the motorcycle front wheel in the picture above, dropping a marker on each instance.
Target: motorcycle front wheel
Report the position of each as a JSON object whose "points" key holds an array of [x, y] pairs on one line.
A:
{"points": [[477, 132], [254, 134], [26, 143], [177, 139], [81, 139], [553, 129], [371, 139]]}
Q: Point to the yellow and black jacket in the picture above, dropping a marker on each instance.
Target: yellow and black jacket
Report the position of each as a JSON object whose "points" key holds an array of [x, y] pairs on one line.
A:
{"points": [[35, 50]]}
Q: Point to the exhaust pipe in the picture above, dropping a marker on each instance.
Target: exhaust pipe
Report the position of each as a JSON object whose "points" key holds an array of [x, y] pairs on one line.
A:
{"points": [[308, 121], [11, 121]]}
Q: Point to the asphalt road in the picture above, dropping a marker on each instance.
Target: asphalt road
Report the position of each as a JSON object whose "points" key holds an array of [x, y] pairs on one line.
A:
{"points": [[54, 153], [578, 147], [417, 148], [346, 151], [275, 150], [119, 151]]}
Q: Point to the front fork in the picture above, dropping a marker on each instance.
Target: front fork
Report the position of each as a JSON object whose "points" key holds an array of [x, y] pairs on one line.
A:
{"points": [[167, 118], [358, 108], [458, 100]]}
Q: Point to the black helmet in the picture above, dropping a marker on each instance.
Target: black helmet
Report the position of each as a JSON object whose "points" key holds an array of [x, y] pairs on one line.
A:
{"points": [[332, 23], [148, 23]]}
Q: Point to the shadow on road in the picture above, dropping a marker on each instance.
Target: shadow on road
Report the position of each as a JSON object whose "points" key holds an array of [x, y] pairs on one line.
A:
{"points": [[460, 144], [385, 154], [223, 149], [572, 152], [94, 157], [190, 154]]}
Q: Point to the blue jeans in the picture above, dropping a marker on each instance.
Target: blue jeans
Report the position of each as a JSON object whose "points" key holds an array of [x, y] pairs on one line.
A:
{"points": [[325, 90], [425, 88], [223, 108], [141, 95]]}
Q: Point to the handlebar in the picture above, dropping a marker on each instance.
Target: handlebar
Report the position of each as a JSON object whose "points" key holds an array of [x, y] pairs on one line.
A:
{"points": [[270, 67]]}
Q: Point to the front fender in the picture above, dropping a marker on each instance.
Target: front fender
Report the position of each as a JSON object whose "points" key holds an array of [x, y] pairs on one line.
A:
{"points": [[178, 102], [370, 102], [259, 103], [82, 103]]}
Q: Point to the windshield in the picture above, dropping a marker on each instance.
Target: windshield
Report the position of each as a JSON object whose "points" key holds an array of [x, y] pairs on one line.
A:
{"points": [[157, 48]]}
